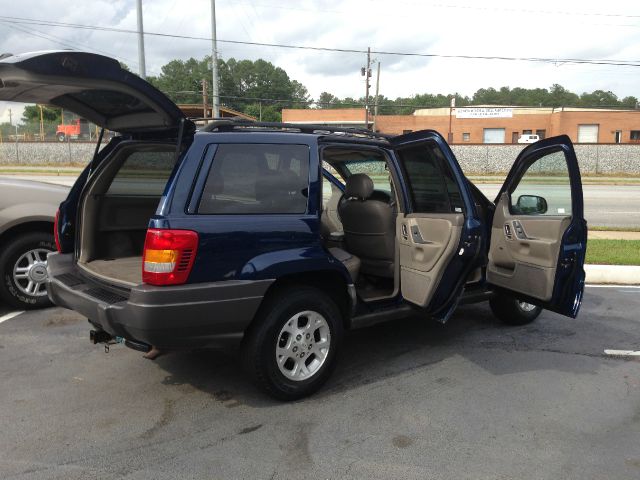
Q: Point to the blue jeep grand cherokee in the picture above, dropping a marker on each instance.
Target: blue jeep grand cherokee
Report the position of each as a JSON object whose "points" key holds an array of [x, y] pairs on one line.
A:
{"points": [[283, 236]]}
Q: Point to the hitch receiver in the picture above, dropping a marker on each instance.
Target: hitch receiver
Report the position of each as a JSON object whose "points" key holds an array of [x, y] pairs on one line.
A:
{"points": [[99, 336]]}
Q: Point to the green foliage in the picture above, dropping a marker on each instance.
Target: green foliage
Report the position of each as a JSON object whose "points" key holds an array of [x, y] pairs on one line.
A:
{"points": [[264, 113], [242, 84], [49, 114], [556, 96]]}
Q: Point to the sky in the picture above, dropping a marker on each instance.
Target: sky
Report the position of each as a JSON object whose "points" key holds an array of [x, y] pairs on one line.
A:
{"points": [[549, 29]]}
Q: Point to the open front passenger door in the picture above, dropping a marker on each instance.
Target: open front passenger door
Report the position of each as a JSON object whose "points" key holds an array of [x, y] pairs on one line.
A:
{"points": [[539, 234]]}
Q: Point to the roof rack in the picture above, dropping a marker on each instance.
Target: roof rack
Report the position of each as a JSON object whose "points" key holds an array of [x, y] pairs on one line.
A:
{"points": [[231, 124]]}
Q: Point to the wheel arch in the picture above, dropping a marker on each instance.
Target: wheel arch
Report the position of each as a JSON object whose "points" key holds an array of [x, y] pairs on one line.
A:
{"points": [[331, 282], [44, 226]]}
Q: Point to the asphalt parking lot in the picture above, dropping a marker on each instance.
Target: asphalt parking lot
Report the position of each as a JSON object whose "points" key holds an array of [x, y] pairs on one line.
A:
{"points": [[410, 399]]}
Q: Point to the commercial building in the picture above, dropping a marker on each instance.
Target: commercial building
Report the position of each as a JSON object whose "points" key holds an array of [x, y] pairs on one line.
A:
{"points": [[490, 123]]}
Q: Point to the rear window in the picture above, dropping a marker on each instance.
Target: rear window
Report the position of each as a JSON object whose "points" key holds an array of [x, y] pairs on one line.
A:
{"points": [[143, 173], [257, 179]]}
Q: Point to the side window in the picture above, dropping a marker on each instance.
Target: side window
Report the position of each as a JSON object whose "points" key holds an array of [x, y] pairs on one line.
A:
{"points": [[432, 186], [544, 189], [143, 173], [257, 179]]}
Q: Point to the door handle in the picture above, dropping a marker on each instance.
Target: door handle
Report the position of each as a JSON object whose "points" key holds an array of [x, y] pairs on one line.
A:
{"points": [[507, 231], [405, 234]]}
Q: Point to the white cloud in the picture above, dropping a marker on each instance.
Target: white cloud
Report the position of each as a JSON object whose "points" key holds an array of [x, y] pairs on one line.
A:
{"points": [[458, 27]]}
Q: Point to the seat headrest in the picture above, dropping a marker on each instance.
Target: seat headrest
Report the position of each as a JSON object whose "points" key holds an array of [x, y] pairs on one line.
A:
{"points": [[278, 184], [358, 186]]}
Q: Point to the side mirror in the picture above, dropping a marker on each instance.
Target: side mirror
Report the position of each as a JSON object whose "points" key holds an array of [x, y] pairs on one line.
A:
{"points": [[531, 205]]}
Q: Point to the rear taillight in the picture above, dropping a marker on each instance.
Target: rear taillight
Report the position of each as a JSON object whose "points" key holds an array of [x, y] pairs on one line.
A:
{"points": [[168, 256], [56, 234]]}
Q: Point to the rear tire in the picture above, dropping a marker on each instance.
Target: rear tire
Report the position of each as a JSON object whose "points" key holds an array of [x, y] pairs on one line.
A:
{"points": [[23, 270], [290, 351], [512, 311], [61, 137]]}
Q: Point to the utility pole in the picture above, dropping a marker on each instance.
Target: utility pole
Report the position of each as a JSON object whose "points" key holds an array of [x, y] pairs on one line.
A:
{"points": [[366, 73], [141, 63], [452, 105], [11, 123], [375, 110], [205, 98], [214, 62], [41, 123]]}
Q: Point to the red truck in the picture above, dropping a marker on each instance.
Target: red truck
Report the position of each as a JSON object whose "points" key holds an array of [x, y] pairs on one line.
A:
{"points": [[77, 129]]}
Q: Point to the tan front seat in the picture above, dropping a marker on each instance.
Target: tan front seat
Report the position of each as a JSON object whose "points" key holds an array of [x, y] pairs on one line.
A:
{"points": [[369, 227]]}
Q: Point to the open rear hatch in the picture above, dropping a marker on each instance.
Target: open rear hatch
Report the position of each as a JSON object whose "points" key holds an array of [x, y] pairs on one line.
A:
{"points": [[116, 203], [93, 86]]}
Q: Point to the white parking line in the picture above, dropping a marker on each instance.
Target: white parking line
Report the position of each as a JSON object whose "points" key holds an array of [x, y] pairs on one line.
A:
{"points": [[9, 316], [622, 353], [624, 287]]}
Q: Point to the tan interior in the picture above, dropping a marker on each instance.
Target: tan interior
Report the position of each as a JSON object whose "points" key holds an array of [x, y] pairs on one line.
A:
{"points": [[427, 243], [330, 221], [526, 264]]}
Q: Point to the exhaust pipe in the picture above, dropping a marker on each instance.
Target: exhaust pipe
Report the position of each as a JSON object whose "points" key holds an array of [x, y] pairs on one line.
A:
{"points": [[139, 346]]}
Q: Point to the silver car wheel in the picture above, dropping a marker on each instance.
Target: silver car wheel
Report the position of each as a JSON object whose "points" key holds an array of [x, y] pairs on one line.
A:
{"points": [[30, 272], [303, 345], [526, 307]]}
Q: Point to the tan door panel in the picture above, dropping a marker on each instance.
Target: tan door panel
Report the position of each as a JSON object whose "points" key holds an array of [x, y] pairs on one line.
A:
{"points": [[524, 250], [427, 242], [329, 218]]}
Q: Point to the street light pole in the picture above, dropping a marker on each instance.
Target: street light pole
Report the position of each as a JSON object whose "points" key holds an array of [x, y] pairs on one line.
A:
{"points": [[214, 62], [142, 69]]}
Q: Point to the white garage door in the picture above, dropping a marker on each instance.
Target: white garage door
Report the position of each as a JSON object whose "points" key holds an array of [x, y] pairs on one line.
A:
{"points": [[493, 135], [587, 133]]}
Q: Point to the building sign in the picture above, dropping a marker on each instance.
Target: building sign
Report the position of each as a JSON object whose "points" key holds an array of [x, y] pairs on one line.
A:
{"points": [[484, 112]]}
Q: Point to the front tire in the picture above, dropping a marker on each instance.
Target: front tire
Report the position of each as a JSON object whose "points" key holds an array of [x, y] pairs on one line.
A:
{"points": [[61, 137], [512, 311], [291, 349], [23, 265]]}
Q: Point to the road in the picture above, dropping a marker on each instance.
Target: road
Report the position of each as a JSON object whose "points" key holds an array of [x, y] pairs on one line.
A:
{"points": [[409, 399], [605, 205]]}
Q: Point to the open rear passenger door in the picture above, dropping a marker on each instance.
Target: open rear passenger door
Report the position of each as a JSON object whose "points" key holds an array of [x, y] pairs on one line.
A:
{"points": [[539, 234], [439, 234]]}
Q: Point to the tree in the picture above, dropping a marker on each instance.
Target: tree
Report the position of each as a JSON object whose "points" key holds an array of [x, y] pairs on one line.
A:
{"points": [[629, 102], [599, 98], [560, 96], [264, 113], [326, 100], [242, 83], [31, 114]]}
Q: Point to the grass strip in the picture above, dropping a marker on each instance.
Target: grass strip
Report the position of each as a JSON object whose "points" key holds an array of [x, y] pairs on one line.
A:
{"points": [[613, 252], [613, 229]]}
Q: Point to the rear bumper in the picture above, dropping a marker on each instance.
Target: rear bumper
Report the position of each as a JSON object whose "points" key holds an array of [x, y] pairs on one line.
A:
{"points": [[177, 316]]}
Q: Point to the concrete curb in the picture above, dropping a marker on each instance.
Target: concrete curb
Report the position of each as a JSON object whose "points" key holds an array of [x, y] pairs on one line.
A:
{"points": [[612, 274]]}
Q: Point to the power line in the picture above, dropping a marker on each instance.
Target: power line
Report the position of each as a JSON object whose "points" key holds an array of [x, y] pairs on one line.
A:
{"points": [[62, 41], [578, 61]]}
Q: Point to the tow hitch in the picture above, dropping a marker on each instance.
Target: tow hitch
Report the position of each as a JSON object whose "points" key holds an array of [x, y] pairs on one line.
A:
{"points": [[100, 336]]}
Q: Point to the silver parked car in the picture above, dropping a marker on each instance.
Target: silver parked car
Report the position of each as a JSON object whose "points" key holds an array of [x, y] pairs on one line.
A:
{"points": [[27, 215]]}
